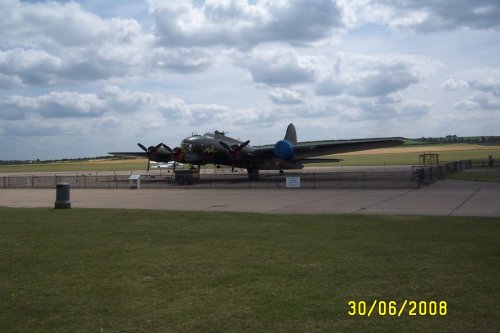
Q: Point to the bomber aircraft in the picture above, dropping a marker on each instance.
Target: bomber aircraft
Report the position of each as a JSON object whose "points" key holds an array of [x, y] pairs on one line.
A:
{"points": [[217, 148]]}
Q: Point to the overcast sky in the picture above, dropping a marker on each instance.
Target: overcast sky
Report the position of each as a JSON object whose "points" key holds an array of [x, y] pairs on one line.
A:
{"points": [[82, 78]]}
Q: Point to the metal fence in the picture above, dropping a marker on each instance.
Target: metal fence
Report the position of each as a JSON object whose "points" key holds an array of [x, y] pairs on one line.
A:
{"points": [[313, 180], [414, 177], [317, 180], [490, 162], [429, 174]]}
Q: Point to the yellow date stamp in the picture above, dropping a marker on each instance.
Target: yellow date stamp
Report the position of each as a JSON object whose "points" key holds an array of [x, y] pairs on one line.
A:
{"points": [[393, 308]]}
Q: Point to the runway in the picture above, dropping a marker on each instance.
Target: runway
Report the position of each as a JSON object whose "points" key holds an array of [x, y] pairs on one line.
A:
{"points": [[444, 198]]}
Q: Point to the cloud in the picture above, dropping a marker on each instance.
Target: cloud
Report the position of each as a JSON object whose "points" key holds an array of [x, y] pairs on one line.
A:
{"points": [[53, 42], [65, 105], [60, 24], [275, 65], [245, 24], [15, 107], [382, 83], [213, 115], [29, 66], [415, 108], [390, 98], [285, 96], [55, 105], [123, 101], [486, 91], [31, 128], [182, 60], [370, 76], [466, 104], [479, 102], [454, 84], [489, 85], [376, 110], [49, 43], [137, 109], [432, 16]]}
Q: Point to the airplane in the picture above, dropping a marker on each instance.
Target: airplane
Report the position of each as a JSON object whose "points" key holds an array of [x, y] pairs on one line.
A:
{"points": [[218, 149], [165, 165]]}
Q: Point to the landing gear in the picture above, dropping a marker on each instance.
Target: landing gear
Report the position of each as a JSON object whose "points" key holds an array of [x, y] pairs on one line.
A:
{"points": [[253, 173]]}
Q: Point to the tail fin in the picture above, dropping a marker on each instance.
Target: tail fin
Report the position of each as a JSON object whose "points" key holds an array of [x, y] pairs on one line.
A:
{"points": [[291, 134]]}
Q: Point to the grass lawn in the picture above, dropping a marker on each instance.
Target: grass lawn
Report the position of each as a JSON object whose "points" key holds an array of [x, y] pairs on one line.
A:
{"points": [[479, 174], [90, 270], [410, 155], [111, 165]]}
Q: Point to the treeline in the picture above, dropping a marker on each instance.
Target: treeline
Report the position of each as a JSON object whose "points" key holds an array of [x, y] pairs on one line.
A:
{"points": [[38, 161], [456, 139], [428, 140]]}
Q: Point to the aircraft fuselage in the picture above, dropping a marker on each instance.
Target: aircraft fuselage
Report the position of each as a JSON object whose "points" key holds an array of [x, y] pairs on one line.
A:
{"points": [[207, 149]]}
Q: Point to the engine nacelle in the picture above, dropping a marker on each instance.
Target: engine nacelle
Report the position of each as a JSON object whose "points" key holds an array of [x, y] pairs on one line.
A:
{"points": [[284, 149]]}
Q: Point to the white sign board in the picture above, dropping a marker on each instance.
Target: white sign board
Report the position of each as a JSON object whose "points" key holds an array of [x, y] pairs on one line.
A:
{"points": [[293, 182], [135, 181]]}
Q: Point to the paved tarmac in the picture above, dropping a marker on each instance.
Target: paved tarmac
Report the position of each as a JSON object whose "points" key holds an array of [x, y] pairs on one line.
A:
{"points": [[446, 197]]}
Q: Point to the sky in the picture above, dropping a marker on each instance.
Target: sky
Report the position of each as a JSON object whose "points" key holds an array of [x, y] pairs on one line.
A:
{"points": [[83, 78]]}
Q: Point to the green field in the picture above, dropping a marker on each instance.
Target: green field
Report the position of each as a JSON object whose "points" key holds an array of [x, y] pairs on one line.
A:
{"points": [[456, 152], [89, 270], [480, 174], [411, 158], [125, 165]]}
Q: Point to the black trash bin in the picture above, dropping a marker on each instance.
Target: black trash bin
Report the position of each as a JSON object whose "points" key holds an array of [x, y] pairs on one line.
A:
{"points": [[62, 196]]}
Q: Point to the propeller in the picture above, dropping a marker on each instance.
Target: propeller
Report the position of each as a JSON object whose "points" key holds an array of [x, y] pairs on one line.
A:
{"points": [[167, 148], [234, 151], [151, 151]]}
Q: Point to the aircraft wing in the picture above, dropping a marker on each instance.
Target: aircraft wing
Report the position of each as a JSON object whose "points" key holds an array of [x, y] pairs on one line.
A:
{"points": [[303, 152], [320, 149]]}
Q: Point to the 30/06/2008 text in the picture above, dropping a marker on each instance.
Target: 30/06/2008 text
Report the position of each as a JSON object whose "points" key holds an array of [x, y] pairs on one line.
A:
{"points": [[391, 308]]}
